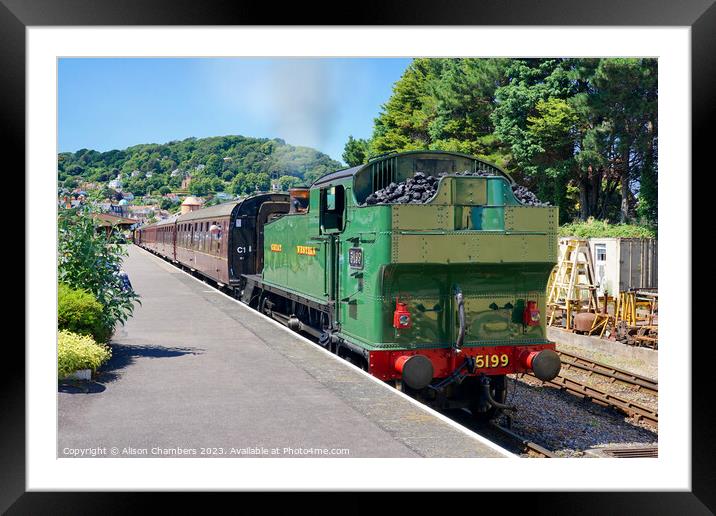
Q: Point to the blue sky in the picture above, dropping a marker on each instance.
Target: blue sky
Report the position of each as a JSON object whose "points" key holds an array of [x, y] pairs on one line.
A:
{"points": [[113, 103]]}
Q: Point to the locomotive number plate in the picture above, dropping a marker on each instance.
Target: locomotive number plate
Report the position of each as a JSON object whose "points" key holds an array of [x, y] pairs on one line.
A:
{"points": [[492, 361], [355, 257]]}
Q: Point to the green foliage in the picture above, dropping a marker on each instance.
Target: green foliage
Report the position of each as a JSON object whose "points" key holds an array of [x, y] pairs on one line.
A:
{"points": [[90, 260], [355, 152], [603, 229], [166, 203], [75, 352], [245, 156], [590, 123], [200, 186], [580, 133], [78, 311], [442, 104], [648, 207], [286, 182]]}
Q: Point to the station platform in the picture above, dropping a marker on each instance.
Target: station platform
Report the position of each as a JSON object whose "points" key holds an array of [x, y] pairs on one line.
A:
{"points": [[195, 373]]}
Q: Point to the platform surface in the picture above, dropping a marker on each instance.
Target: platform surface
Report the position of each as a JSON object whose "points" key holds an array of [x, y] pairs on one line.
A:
{"points": [[196, 374]]}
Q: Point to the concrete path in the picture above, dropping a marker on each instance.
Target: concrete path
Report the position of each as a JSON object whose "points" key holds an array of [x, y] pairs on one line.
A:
{"points": [[195, 373]]}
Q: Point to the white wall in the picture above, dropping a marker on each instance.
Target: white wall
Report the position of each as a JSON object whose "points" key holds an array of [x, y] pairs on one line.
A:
{"points": [[630, 263]]}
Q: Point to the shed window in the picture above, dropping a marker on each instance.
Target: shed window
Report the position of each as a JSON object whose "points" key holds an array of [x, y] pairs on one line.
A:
{"points": [[600, 252]]}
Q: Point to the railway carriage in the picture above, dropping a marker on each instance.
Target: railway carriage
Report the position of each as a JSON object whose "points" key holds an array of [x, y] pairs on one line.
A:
{"points": [[159, 237], [221, 242], [441, 297]]}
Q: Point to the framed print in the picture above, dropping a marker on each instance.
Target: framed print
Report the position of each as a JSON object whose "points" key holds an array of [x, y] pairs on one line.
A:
{"points": [[204, 123]]}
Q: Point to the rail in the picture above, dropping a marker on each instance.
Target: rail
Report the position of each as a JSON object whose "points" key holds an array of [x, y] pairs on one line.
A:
{"points": [[641, 383], [525, 444], [598, 396]]}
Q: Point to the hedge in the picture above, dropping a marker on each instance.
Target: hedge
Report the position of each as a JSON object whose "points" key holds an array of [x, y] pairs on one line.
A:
{"points": [[79, 312], [75, 352], [603, 229]]}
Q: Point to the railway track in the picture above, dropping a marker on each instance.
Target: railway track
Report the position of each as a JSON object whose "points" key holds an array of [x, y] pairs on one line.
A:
{"points": [[499, 434], [613, 374], [527, 446], [600, 397]]}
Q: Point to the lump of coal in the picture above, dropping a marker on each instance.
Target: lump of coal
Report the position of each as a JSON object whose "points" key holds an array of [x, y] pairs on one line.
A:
{"points": [[422, 187], [416, 189], [526, 197]]}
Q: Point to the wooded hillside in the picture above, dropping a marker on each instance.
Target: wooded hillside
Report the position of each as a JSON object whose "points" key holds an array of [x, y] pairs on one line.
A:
{"points": [[235, 164]]}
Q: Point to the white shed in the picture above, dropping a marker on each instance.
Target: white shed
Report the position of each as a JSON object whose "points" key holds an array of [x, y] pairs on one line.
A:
{"points": [[621, 264]]}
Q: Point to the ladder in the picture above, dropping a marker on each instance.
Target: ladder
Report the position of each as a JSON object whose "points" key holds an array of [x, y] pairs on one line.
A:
{"points": [[572, 286]]}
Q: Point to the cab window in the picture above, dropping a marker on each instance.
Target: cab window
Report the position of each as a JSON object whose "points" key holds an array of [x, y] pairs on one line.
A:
{"points": [[332, 208]]}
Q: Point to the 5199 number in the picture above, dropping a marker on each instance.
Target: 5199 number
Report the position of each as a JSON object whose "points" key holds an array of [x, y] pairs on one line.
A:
{"points": [[492, 361]]}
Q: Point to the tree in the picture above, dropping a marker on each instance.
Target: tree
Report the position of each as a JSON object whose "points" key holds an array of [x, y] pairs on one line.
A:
{"points": [[355, 152], [199, 187], [464, 100], [443, 104], [626, 98], [403, 122], [237, 185], [580, 124], [286, 182], [214, 166]]}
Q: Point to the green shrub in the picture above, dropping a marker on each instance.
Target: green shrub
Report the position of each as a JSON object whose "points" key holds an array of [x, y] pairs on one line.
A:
{"points": [[602, 229], [79, 312], [88, 259], [75, 352]]}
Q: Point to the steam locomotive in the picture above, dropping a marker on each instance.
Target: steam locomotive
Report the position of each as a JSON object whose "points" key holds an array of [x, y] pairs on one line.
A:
{"points": [[440, 293]]}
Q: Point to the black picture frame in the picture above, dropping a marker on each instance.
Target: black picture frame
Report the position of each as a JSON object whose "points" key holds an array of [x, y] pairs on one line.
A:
{"points": [[699, 15]]}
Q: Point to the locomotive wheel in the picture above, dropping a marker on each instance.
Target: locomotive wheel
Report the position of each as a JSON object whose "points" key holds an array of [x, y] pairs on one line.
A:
{"points": [[325, 340], [498, 391]]}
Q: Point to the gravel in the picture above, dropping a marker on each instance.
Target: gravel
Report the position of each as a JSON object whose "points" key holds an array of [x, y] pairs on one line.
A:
{"points": [[420, 188], [567, 424], [613, 359]]}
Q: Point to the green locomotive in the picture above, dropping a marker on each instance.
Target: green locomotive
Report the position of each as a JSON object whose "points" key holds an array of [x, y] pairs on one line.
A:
{"points": [[441, 296]]}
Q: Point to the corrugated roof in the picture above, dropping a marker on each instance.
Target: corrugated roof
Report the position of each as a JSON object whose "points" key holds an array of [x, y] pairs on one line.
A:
{"points": [[168, 220], [107, 219], [218, 210]]}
